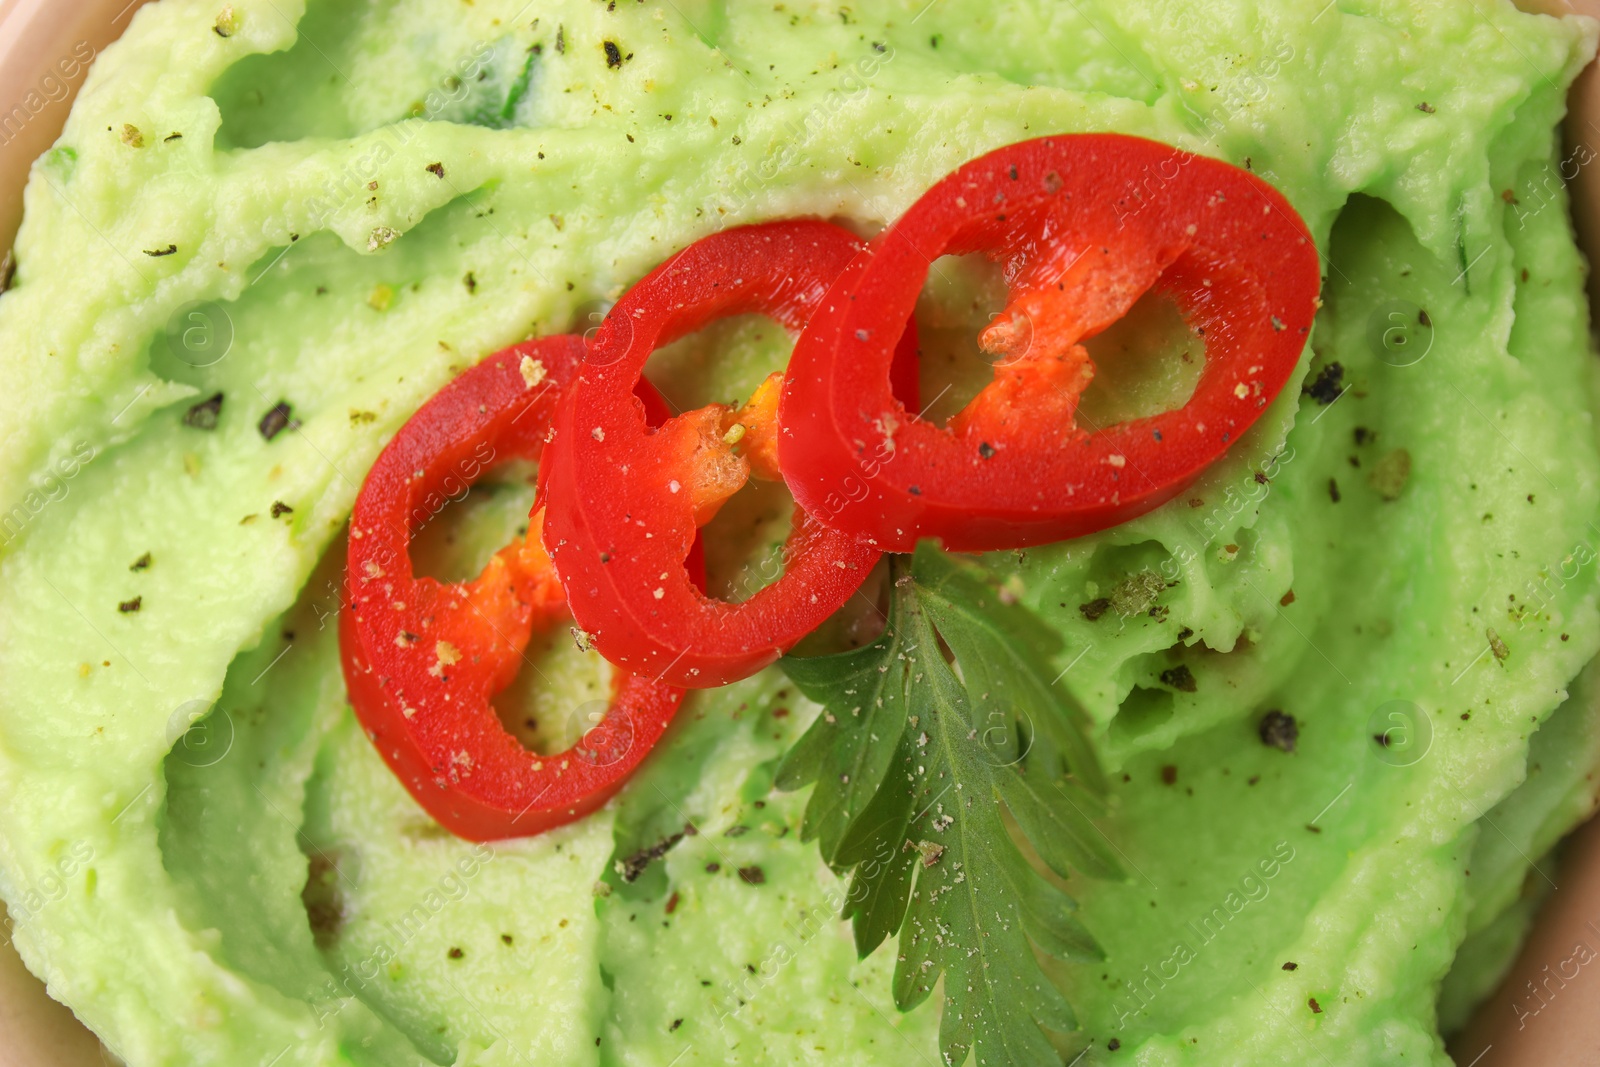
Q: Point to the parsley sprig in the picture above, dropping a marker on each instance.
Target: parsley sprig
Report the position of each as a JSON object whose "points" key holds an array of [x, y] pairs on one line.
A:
{"points": [[926, 736]]}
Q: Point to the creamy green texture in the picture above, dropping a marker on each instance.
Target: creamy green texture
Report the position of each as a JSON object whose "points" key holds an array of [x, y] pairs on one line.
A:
{"points": [[365, 199]]}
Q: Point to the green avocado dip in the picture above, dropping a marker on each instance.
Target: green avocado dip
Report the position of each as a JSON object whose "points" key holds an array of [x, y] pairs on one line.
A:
{"points": [[1338, 686]]}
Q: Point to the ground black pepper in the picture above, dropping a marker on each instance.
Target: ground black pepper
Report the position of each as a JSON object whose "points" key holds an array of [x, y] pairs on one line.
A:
{"points": [[203, 416], [1095, 608], [277, 420], [1278, 730], [1328, 384], [1180, 678]]}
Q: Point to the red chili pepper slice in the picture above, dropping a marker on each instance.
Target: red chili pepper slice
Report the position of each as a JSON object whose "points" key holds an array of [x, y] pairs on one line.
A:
{"points": [[1082, 226], [422, 659], [624, 501]]}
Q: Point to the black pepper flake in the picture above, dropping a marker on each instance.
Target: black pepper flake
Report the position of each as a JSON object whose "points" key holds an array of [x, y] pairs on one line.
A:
{"points": [[1095, 608], [277, 420], [1180, 678], [613, 54], [1113, 1044], [436, 169], [1012, 173], [505, 939], [1333, 490], [1291, 966], [1328, 384], [471, 282], [172, 137], [128, 607], [456, 953], [1427, 109], [1278, 730], [1169, 775], [324, 903], [1362, 435], [167, 251], [632, 867], [675, 1024], [279, 508], [142, 563], [713, 868], [1185, 633], [752, 876], [914, 490], [203, 416], [985, 449], [1316, 1009]]}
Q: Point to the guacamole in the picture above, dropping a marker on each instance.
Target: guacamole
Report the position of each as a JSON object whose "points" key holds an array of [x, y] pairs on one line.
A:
{"points": [[1339, 685]]}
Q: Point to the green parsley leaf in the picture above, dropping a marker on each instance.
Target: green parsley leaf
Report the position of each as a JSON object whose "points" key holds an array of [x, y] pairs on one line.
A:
{"points": [[852, 742], [916, 757]]}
